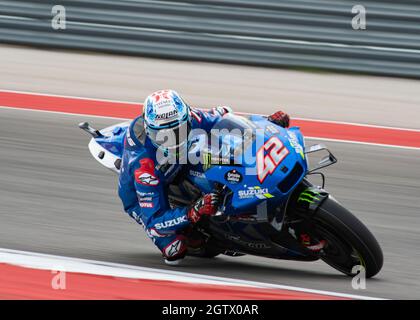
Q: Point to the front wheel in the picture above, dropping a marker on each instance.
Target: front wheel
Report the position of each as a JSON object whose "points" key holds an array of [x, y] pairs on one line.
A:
{"points": [[349, 242]]}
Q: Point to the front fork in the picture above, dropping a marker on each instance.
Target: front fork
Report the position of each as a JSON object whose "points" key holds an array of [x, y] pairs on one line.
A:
{"points": [[305, 200], [301, 206]]}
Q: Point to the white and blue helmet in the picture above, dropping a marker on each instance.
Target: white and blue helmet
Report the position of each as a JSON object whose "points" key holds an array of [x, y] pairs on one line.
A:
{"points": [[167, 119]]}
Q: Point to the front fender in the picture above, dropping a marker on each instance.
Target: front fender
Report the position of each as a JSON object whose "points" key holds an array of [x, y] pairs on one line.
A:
{"points": [[309, 199]]}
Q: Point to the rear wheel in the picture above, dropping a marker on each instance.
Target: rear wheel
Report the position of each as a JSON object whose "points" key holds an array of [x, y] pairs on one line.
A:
{"points": [[349, 242]]}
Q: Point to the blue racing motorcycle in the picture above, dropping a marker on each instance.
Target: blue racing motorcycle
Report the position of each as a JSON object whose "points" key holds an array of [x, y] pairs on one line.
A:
{"points": [[269, 207]]}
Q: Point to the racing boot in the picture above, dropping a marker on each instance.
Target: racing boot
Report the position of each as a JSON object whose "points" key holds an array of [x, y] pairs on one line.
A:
{"points": [[174, 252], [174, 263]]}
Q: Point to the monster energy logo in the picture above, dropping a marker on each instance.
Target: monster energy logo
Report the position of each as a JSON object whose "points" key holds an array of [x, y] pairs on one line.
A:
{"points": [[206, 160], [308, 196], [209, 160]]}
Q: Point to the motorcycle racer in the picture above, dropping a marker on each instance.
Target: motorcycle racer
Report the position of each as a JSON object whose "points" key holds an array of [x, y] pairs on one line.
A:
{"points": [[144, 179]]}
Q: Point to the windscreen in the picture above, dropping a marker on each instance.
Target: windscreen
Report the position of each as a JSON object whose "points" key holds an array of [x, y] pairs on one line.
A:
{"points": [[231, 136]]}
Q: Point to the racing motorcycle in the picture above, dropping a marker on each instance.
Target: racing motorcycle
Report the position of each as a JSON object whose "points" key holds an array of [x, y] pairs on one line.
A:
{"points": [[269, 204]]}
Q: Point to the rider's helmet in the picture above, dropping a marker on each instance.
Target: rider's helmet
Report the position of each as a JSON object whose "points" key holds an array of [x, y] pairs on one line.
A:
{"points": [[167, 120]]}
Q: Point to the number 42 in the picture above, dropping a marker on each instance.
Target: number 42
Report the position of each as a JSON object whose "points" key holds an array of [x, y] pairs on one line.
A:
{"points": [[267, 163]]}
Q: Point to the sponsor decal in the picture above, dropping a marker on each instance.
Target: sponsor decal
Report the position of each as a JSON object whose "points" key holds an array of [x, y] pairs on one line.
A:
{"points": [[269, 156], [294, 142], [197, 174], [308, 196], [147, 179], [206, 160], [220, 161], [170, 223], [146, 204], [257, 192], [209, 160], [167, 115], [163, 104], [173, 248], [145, 194], [233, 176], [145, 174], [137, 218]]}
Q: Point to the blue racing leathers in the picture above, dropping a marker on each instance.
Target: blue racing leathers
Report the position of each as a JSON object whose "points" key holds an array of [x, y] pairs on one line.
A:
{"points": [[143, 185]]}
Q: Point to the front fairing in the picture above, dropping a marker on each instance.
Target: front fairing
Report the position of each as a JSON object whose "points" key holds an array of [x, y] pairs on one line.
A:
{"points": [[274, 186], [247, 188], [113, 138]]}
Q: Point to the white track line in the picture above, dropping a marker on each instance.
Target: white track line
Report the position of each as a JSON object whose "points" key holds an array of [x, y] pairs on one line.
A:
{"points": [[364, 143], [69, 264], [357, 124]]}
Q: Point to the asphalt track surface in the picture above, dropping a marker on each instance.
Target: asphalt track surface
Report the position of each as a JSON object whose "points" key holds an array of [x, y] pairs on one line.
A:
{"points": [[55, 198]]}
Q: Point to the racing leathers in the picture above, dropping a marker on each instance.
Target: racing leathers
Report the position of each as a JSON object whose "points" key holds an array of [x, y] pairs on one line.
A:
{"points": [[143, 185]]}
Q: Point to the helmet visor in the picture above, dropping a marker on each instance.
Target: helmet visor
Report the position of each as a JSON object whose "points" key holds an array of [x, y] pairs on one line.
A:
{"points": [[172, 138]]}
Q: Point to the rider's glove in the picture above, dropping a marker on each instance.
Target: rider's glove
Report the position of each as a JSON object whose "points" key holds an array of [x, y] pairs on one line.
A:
{"points": [[206, 205], [280, 118]]}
